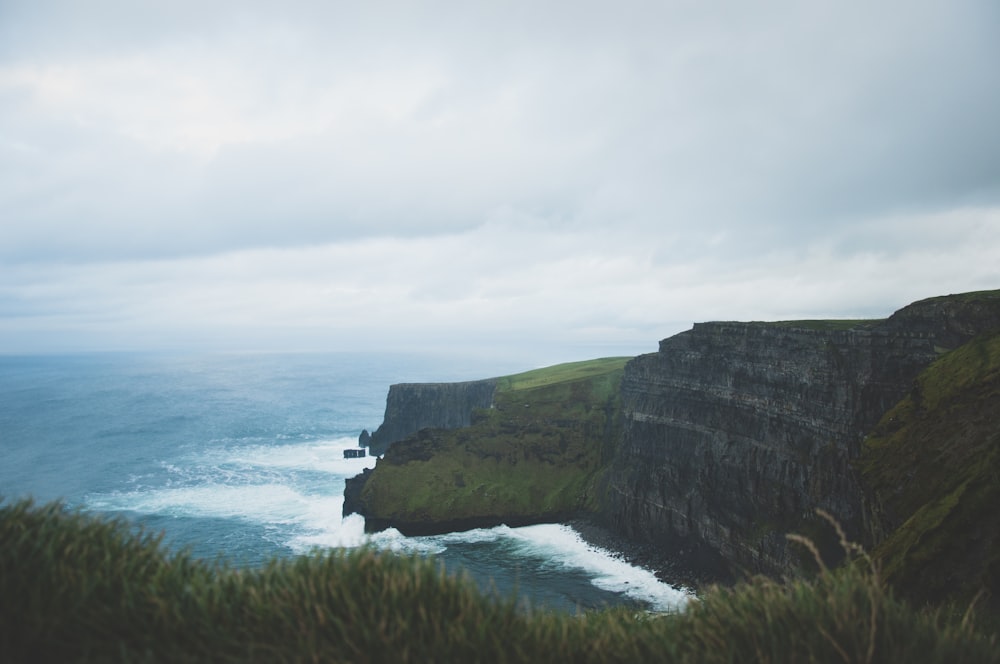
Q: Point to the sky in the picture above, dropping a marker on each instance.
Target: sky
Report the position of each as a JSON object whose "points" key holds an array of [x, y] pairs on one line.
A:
{"points": [[543, 180]]}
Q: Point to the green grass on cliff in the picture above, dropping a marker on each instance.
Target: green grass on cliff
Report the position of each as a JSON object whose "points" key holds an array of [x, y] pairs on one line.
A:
{"points": [[74, 588], [533, 456], [479, 473], [971, 296], [933, 467], [562, 373], [833, 324]]}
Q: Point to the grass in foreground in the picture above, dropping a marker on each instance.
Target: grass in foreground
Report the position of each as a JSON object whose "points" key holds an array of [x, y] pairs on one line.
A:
{"points": [[78, 588]]}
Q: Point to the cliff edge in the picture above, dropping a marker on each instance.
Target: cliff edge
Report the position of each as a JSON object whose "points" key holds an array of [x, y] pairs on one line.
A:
{"points": [[410, 407]]}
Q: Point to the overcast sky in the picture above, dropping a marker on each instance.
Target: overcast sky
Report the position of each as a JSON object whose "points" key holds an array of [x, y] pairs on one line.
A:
{"points": [[551, 179]]}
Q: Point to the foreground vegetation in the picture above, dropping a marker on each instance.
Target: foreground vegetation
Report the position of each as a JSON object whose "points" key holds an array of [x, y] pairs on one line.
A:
{"points": [[78, 588]]}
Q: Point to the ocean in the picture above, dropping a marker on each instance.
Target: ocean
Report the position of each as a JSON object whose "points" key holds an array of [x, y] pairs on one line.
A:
{"points": [[240, 457]]}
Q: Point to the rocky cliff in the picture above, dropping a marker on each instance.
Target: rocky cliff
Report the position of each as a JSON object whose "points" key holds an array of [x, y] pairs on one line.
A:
{"points": [[931, 474], [735, 432], [410, 407], [533, 456], [708, 451]]}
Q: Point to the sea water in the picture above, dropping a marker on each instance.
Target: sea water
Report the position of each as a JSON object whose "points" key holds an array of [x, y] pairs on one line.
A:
{"points": [[240, 457]]}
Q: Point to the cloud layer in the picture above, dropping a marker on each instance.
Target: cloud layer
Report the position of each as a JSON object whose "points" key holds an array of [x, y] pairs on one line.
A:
{"points": [[345, 175]]}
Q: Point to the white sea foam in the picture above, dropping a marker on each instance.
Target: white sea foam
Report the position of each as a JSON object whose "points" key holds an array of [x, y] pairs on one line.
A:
{"points": [[257, 484], [610, 572], [262, 503], [265, 485], [474, 536], [563, 546], [349, 532], [336, 532], [322, 456], [393, 540]]}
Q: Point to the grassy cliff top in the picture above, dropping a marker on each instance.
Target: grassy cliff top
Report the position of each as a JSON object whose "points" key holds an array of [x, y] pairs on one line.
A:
{"points": [[829, 324], [971, 296], [561, 373], [532, 456], [819, 325]]}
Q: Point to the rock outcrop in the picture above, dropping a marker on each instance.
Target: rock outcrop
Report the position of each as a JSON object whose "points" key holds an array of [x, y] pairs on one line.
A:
{"points": [[533, 457], [411, 407]]}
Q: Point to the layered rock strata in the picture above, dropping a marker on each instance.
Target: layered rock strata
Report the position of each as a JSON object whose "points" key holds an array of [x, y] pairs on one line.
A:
{"points": [[410, 407], [734, 433]]}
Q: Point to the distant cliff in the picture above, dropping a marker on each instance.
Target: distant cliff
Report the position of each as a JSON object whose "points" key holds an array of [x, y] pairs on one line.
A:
{"points": [[411, 407], [734, 432]]}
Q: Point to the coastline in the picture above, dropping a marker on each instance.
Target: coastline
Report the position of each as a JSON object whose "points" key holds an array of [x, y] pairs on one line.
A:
{"points": [[679, 570]]}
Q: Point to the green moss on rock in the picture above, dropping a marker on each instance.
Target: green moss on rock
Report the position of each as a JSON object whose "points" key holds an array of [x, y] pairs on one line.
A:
{"points": [[533, 456], [932, 468]]}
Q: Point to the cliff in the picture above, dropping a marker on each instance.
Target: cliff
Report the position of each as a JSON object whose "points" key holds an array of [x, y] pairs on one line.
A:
{"points": [[734, 433], [531, 456], [931, 474], [708, 451], [410, 407]]}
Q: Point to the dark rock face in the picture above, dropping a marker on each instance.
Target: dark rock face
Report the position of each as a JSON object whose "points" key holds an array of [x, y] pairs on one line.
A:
{"points": [[411, 407], [735, 432], [353, 486], [951, 320]]}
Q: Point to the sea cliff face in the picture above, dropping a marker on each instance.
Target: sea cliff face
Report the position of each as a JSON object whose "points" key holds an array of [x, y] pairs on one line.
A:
{"points": [[533, 456], [410, 407], [734, 433]]}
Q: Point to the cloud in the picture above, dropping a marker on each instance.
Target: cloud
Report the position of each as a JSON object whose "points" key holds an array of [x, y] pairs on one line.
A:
{"points": [[564, 294], [290, 174]]}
